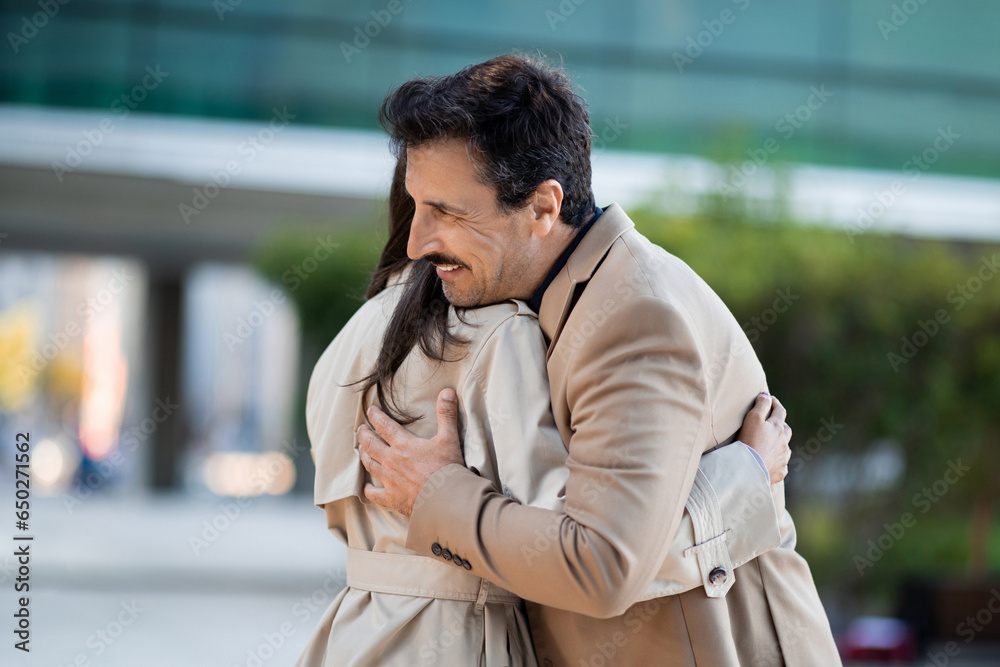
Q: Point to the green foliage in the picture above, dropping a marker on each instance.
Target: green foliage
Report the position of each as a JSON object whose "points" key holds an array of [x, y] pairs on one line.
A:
{"points": [[854, 302], [328, 296], [895, 338]]}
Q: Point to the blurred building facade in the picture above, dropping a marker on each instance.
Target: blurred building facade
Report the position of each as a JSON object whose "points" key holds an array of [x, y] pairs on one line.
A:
{"points": [[662, 75], [172, 137]]}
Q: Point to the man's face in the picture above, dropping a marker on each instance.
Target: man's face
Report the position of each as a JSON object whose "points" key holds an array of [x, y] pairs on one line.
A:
{"points": [[482, 255]]}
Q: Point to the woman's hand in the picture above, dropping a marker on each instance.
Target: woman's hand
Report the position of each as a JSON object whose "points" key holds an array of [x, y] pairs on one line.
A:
{"points": [[765, 431]]}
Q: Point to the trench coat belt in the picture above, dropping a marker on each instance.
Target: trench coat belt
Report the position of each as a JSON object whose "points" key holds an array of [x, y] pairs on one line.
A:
{"points": [[419, 576]]}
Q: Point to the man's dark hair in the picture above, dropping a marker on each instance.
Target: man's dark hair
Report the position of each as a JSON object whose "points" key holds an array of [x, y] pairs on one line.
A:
{"points": [[524, 125], [523, 121]]}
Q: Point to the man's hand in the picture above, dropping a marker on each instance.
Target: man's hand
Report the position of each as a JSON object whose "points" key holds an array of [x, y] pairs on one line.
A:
{"points": [[765, 431], [401, 461]]}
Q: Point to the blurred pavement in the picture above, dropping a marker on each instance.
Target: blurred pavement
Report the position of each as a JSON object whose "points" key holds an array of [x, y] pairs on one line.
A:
{"points": [[118, 583]]}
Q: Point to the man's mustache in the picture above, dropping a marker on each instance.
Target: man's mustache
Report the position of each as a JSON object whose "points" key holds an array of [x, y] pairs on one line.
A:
{"points": [[443, 260]]}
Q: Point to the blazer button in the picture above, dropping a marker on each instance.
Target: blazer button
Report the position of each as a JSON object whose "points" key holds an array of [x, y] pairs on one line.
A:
{"points": [[445, 554], [436, 549], [717, 576], [456, 559], [467, 565]]}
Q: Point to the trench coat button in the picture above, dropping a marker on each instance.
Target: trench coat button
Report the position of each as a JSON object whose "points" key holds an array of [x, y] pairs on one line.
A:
{"points": [[436, 549], [717, 576], [467, 565], [445, 554]]}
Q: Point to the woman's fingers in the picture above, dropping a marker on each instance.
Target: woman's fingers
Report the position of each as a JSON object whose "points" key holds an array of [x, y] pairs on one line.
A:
{"points": [[778, 413]]}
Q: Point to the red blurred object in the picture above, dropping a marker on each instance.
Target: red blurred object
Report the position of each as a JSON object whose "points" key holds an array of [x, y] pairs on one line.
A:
{"points": [[875, 639]]}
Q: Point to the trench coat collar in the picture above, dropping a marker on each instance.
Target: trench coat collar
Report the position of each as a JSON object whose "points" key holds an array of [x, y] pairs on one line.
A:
{"points": [[558, 298]]}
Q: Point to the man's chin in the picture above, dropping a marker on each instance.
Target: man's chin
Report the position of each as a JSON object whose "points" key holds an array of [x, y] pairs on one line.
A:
{"points": [[459, 298]]}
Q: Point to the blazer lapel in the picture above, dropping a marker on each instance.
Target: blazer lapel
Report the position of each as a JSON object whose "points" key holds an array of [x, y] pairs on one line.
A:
{"points": [[558, 298]]}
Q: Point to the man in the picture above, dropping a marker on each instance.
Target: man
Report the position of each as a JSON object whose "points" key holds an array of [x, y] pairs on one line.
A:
{"points": [[648, 370]]}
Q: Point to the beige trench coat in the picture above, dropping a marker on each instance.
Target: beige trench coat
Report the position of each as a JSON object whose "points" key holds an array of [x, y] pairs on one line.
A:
{"points": [[648, 370], [407, 609]]}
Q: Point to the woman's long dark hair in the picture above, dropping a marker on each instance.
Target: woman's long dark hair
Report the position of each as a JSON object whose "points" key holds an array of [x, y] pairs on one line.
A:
{"points": [[421, 315]]}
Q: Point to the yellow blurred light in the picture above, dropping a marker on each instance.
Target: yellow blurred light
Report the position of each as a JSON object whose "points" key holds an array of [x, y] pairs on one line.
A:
{"points": [[249, 474], [52, 466], [19, 362]]}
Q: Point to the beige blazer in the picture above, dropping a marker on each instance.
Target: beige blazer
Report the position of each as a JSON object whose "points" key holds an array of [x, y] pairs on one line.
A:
{"points": [[648, 370], [404, 608]]}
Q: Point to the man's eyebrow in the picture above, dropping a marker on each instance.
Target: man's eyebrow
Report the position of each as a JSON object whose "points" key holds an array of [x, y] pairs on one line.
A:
{"points": [[446, 208]]}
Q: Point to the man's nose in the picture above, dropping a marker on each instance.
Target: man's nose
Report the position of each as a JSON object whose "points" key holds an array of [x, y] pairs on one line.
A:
{"points": [[423, 237]]}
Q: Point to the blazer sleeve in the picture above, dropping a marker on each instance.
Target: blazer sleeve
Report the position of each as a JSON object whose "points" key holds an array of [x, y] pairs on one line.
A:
{"points": [[638, 400]]}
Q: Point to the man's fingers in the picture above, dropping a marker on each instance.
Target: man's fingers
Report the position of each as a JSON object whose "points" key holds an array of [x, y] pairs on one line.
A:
{"points": [[371, 444], [778, 413], [447, 415], [373, 467], [376, 495], [385, 426]]}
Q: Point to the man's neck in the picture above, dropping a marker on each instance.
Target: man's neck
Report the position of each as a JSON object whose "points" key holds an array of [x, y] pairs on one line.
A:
{"points": [[564, 235], [556, 257]]}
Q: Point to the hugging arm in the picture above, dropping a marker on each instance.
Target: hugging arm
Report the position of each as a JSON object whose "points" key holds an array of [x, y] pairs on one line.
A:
{"points": [[629, 475]]}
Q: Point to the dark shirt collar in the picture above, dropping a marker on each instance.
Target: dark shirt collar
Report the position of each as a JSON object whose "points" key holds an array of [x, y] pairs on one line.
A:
{"points": [[536, 301]]}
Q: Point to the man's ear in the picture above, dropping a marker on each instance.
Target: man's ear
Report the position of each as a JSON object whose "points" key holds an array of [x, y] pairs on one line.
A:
{"points": [[546, 206]]}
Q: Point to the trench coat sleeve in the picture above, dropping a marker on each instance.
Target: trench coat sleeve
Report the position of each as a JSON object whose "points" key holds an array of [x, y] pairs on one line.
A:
{"points": [[638, 399]]}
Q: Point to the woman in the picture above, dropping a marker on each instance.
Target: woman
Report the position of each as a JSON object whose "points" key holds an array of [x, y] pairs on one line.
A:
{"points": [[400, 349]]}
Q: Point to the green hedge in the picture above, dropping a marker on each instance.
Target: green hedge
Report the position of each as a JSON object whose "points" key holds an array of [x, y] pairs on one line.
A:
{"points": [[890, 338]]}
